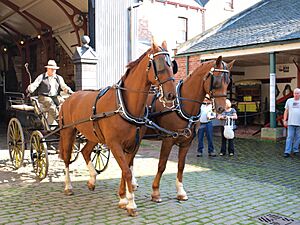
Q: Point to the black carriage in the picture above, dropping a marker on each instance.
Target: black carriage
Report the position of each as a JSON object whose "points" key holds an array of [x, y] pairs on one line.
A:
{"points": [[28, 129]]}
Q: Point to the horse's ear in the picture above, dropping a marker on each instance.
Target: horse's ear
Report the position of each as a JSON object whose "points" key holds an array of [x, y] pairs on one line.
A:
{"points": [[219, 60], [164, 45], [230, 65], [153, 43]]}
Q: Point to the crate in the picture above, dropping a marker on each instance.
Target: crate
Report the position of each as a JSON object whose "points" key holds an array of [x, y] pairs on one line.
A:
{"points": [[247, 98], [248, 106]]}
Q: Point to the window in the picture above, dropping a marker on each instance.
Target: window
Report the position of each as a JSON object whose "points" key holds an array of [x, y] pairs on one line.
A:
{"points": [[182, 30]]}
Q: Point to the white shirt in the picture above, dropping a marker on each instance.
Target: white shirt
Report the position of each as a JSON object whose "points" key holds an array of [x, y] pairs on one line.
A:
{"points": [[205, 108], [293, 107]]}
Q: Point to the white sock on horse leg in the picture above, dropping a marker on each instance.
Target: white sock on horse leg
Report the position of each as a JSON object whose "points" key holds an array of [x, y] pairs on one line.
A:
{"points": [[68, 185], [93, 172], [180, 189]]}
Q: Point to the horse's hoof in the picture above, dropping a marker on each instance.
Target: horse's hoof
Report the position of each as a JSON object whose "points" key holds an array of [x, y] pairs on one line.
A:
{"points": [[91, 186], [182, 197], [122, 206], [156, 199], [132, 212], [68, 192]]}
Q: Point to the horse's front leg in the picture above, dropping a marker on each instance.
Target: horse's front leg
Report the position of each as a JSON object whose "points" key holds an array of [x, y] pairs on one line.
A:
{"points": [[86, 152], [134, 182], [181, 194], [122, 194], [163, 158], [126, 190]]}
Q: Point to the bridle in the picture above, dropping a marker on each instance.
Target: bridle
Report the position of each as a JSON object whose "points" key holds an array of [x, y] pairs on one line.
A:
{"points": [[159, 67], [217, 81], [192, 119]]}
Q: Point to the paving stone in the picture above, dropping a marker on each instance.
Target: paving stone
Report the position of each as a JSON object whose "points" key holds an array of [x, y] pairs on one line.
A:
{"points": [[221, 190]]}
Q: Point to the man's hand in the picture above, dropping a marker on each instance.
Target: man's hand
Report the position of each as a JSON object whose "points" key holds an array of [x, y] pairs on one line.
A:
{"points": [[27, 92], [285, 124]]}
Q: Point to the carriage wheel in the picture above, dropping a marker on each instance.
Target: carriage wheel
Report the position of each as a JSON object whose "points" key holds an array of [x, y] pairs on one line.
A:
{"points": [[100, 157], [75, 151], [39, 154], [15, 142]]}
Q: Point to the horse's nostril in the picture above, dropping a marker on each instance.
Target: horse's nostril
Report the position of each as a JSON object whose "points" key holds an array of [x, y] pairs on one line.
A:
{"points": [[171, 96], [220, 109]]}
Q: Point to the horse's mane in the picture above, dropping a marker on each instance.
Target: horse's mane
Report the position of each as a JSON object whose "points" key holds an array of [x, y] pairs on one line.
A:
{"points": [[200, 67], [132, 64]]}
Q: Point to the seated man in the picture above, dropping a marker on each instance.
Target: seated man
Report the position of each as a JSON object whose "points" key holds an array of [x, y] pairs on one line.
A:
{"points": [[49, 85]]}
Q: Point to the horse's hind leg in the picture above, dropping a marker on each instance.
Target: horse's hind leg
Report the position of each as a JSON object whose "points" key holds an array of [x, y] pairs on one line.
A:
{"points": [[181, 194], [86, 152], [165, 150], [67, 137]]}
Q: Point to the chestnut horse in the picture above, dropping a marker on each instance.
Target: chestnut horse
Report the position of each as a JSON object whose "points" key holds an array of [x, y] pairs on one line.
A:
{"points": [[114, 117], [211, 77]]}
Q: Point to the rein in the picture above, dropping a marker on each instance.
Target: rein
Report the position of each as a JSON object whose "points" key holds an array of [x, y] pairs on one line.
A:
{"points": [[121, 108], [181, 112]]}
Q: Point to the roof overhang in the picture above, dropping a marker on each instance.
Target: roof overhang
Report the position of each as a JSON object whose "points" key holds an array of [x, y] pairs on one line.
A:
{"points": [[287, 51]]}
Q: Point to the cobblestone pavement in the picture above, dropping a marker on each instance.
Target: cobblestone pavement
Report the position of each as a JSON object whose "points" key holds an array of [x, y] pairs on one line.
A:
{"points": [[222, 190]]}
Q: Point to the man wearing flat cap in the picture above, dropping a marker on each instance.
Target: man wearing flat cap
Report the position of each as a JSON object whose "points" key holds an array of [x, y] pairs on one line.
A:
{"points": [[48, 86]]}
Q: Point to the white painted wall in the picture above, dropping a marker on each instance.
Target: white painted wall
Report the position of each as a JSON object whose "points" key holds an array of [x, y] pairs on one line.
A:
{"points": [[163, 20]]}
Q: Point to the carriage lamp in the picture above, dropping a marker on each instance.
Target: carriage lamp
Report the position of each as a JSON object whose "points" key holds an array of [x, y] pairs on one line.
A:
{"points": [[22, 42], [5, 49], [39, 36]]}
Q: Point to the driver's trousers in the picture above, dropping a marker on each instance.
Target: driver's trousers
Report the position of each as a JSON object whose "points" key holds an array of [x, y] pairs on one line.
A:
{"points": [[50, 107]]}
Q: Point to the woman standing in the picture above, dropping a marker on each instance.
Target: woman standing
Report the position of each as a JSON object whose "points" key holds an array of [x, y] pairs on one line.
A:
{"points": [[229, 113]]}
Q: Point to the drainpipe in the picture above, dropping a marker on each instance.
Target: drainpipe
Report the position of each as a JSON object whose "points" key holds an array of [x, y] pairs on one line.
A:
{"points": [[203, 20], [272, 89], [187, 64], [91, 20], [132, 30]]}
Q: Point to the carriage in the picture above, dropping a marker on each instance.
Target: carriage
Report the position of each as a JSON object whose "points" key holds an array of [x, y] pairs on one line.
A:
{"points": [[28, 129]]}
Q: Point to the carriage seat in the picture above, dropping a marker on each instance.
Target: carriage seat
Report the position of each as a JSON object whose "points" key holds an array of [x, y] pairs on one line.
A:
{"points": [[23, 107]]}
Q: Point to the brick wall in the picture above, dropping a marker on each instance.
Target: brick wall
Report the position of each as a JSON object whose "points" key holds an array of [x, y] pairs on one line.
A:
{"points": [[181, 61]]}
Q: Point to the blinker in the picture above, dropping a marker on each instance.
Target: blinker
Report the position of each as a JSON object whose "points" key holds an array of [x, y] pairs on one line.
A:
{"points": [[160, 64]]}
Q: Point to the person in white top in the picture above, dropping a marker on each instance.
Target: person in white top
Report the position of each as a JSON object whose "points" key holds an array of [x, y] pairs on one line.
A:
{"points": [[206, 127], [291, 120], [48, 86]]}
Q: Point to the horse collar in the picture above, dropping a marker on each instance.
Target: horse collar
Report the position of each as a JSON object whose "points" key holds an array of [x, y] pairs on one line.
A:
{"points": [[123, 111], [179, 109]]}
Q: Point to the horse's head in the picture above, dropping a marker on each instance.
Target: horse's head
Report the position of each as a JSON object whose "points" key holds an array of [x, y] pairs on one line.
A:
{"points": [[160, 71], [216, 83]]}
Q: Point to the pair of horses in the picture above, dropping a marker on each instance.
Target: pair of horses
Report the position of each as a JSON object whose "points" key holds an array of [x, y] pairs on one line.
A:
{"points": [[120, 110]]}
